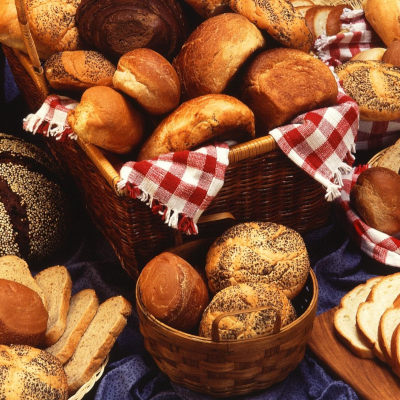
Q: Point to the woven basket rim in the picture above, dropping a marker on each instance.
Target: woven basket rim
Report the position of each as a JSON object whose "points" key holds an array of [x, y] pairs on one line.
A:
{"points": [[373, 161]]}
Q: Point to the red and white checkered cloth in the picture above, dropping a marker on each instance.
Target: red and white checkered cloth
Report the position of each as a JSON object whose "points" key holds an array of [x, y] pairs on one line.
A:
{"points": [[377, 245], [358, 36]]}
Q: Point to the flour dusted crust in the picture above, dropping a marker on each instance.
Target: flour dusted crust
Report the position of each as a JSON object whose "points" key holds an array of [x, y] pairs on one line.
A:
{"points": [[247, 324], [262, 252]]}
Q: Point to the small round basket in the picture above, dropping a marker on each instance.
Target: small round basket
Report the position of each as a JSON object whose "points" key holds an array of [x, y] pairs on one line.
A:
{"points": [[226, 368]]}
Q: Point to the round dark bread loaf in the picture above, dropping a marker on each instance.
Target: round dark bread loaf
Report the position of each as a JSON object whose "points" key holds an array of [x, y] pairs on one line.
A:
{"points": [[375, 196], [26, 369], [23, 316], [34, 209], [262, 252], [247, 324]]}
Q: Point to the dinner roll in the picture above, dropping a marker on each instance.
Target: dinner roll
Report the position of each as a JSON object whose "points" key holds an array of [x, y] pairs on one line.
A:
{"points": [[213, 117], [150, 79], [375, 197], [392, 54], [281, 83], [248, 324], [173, 291], [209, 8], [262, 252], [106, 118], [374, 54]]}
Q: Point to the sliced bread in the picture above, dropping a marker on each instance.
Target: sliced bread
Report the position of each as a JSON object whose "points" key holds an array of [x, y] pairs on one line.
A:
{"points": [[16, 269], [395, 351], [97, 341], [56, 283], [369, 313], [82, 309], [345, 319]]}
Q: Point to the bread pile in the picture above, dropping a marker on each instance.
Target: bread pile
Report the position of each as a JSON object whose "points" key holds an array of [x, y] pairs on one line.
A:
{"points": [[368, 320], [40, 317], [253, 272]]}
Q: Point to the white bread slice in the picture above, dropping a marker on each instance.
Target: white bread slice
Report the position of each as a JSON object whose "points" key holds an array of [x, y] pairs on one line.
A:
{"points": [[320, 18], [97, 341], [395, 348], [387, 324], [82, 309], [16, 269], [369, 313], [345, 319], [56, 283]]}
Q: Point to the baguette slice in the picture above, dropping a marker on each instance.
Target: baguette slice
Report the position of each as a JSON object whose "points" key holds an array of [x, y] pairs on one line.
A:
{"points": [[369, 313], [387, 324], [83, 308], [345, 319], [56, 283], [97, 341], [16, 269]]}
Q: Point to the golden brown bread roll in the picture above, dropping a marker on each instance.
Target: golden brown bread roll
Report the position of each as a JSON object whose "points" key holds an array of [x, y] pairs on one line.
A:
{"points": [[375, 197], [173, 291], [392, 54], [104, 117], [282, 83], [23, 316], [150, 79], [78, 70], [214, 52], [247, 324], [209, 8], [373, 86], [374, 54], [198, 121], [258, 252]]}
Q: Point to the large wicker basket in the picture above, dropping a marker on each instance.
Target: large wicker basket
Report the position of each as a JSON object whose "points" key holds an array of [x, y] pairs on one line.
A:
{"points": [[228, 368], [261, 183]]}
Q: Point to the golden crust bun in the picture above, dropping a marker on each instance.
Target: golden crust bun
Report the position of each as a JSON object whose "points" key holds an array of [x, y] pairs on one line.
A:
{"points": [[374, 54], [199, 121], [150, 79], [214, 52], [392, 54], [373, 86], [209, 8]]}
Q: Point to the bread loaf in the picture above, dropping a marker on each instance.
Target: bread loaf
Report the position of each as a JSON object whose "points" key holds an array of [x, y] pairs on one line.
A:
{"points": [[173, 291], [214, 52], [247, 324], [213, 117], [372, 85], [262, 252], [281, 83], [375, 198], [150, 79], [23, 316], [392, 54], [28, 372], [107, 119], [391, 158]]}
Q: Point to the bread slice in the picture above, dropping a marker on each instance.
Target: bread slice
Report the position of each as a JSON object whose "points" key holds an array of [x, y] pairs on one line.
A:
{"points": [[395, 351], [56, 283], [82, 309], [387, 324], [97, 341], [345, 319], [369, 313], [16, 269]]}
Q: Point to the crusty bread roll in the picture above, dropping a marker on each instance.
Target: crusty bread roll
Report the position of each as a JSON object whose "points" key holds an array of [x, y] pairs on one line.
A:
{"points": [[173, 291], [279, 18], [258, 252], [214, 52], [23, 316], [282, 83], [107, 119], [375, 198], [198, 121], [392, 54], [150, 79], [28, 372], [247, 324], [373, 86], [390, 158], [374, 54], [209, 8], [78, 70]]}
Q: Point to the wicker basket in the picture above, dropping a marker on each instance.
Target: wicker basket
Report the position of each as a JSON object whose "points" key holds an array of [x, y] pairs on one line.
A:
{"points": [[230, 367]]}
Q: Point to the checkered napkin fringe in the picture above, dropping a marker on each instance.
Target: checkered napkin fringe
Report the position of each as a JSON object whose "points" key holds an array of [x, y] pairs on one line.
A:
{"points": [[376, 244], [357, 36]]}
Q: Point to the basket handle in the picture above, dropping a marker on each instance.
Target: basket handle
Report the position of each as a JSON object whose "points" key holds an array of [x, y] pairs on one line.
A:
{"points": [[215, 337]]}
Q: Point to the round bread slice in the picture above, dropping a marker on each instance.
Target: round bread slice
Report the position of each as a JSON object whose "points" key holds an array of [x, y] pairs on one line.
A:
{"points": [[262, 252], [373, 85], [247, 324]]}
